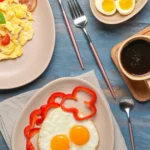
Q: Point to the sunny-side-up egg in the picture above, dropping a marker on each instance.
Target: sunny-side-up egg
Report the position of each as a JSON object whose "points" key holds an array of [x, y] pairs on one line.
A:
{"points": [[18, 25], [125, 7], [60, 131], [106, 7]]}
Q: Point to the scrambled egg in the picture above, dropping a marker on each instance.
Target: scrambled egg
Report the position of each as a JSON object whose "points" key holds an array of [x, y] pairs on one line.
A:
{"points": [[19, 27]]}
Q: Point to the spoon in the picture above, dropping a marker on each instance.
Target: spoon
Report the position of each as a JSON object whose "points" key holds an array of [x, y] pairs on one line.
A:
{"points": [[126, 105]]}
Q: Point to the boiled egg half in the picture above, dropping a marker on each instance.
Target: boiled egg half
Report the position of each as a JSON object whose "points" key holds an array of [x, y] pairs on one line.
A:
{"points": [[125, 7], [106, 7]]}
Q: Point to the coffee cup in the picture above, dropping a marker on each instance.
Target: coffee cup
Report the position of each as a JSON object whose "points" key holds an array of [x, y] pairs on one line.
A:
{"points": [[134, 58]]}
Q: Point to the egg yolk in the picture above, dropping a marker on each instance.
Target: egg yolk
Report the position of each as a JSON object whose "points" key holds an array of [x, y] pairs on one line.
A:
{"points": [[108, 5], [126, 4], [79, 135], [60, 142]]}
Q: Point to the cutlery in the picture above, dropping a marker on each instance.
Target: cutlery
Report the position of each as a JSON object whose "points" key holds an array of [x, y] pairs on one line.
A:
{"points": [[80, 21], [126, 105], [71, 34]]}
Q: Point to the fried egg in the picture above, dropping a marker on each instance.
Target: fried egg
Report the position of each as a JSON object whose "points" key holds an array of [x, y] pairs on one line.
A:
{"points": [[125, 7], [19, 26], [106, 7], [60, 131]]}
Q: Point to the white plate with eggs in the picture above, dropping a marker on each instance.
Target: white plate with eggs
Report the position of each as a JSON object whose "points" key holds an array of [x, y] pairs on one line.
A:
{"points": [[116, 11], [58, 122]]}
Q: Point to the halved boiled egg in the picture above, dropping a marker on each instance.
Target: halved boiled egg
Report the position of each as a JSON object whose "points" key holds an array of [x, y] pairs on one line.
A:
{"points": [[106, 7], [125, 7]]}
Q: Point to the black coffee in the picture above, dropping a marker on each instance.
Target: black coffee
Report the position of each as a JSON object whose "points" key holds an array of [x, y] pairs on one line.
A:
{"points": [[135, 57]]}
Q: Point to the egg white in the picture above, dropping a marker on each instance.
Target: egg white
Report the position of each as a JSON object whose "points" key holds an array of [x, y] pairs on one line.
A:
{"points": [[98, 4], [59, 122], [125, 12]]}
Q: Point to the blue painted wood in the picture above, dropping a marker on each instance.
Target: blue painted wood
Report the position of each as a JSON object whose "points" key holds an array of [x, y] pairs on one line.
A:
{"points": [[65, 63]]}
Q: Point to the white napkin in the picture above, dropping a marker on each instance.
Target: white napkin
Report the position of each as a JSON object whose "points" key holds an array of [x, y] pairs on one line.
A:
{"points": [[10, 111]]}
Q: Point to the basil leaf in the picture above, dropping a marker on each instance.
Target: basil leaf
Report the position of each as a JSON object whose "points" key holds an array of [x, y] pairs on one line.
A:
{"points": [[2, 19]]}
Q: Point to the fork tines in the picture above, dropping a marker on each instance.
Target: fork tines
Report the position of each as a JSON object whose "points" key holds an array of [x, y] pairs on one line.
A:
{"points": [[75, 9]]}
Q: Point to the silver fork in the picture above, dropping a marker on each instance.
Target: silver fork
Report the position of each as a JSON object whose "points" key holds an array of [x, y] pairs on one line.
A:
{"points": [[80, 21]]}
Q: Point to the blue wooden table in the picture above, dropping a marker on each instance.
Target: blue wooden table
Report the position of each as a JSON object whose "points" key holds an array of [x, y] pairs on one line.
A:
{"points": [[64, 63]]}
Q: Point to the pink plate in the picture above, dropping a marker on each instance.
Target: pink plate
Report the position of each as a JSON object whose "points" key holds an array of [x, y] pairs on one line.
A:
{"points": [[102, 120], [37, 53]]}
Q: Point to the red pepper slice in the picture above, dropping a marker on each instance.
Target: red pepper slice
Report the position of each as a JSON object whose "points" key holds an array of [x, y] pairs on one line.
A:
{"points": [[1, 0], [53, 97], [27, 131], [51, 103], [44, 111], [40, 120], [90, 104], [29, 145], [30, 130], [6, 40], [34, 131], [34, 117]]}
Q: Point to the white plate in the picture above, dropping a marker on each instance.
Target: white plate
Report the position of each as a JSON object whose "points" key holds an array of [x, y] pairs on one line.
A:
{"points": [[37, 53], [116, 18], [102, 120]]}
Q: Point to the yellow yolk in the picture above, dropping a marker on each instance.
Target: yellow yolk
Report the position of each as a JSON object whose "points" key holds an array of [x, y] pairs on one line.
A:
{"points": [[60, 142], [126, 4], [79, 135], [108, 5]]}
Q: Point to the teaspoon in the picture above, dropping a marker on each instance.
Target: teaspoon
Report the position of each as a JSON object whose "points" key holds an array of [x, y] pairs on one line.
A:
{"points": [[126, 105]]}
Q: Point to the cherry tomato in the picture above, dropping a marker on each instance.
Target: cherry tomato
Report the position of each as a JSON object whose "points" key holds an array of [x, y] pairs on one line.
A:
{"points": [[5, 40]]}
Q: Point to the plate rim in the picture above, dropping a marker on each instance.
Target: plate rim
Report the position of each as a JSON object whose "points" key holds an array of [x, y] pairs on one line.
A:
{"points": [[23, 83], [55, 82], [117, 22]]}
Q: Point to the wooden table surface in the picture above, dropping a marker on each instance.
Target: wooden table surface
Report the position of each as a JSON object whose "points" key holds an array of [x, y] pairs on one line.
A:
{"points": [[64, 63]]}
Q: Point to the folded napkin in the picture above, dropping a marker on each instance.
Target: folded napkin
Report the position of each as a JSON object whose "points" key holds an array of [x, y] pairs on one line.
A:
{"points": [[10, 111]]}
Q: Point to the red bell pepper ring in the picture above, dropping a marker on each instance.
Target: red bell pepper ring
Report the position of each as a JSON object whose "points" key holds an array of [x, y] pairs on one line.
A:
{"points": [[6, 40], [34, 117], [30, 132], [27, 131], [51, 103], [37, 117], [1, 0], [90, 104], [33, 132], [29, 145], [49, 106], [53, 97], [40, 120], [42, 108], [44, 111]]}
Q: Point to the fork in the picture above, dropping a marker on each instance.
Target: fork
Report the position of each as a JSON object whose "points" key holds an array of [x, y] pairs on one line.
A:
{"points": [[80, 21]]}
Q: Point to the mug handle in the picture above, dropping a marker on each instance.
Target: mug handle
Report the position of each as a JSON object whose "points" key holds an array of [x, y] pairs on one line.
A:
{"points": [[148, 83]]}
